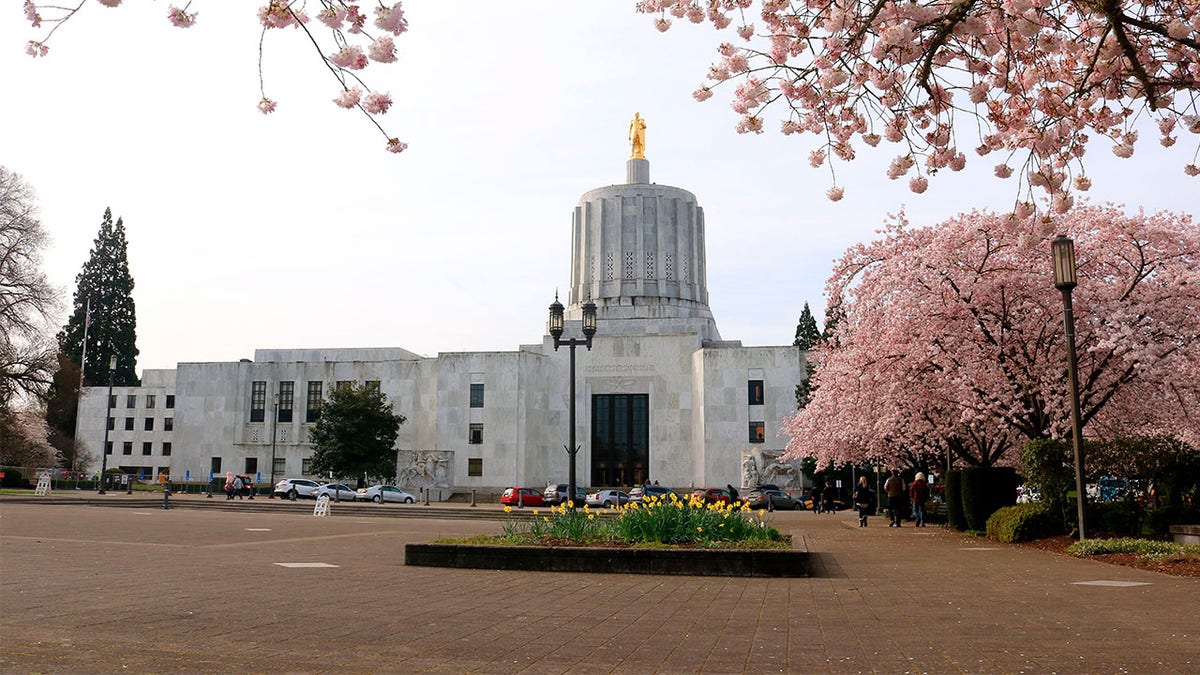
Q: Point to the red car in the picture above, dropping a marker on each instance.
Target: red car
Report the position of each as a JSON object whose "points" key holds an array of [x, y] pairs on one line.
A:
{"points": [[528, 496], [711, 495]]}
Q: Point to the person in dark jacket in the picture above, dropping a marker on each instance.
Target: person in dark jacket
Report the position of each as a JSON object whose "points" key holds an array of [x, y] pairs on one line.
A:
{"points": [[827, 496], [898, 499], [864, 500], [733, 494]]}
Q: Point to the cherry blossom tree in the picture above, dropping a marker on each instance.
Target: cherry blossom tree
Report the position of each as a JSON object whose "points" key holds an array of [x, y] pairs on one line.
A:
{"points": [[345, 45], [951, 338], [1036, 78]]}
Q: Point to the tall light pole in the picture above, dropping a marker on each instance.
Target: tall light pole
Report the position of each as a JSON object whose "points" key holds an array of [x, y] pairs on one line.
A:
{"points": [[112, 367], [556, 330], [1063, 252], [274, 419]]}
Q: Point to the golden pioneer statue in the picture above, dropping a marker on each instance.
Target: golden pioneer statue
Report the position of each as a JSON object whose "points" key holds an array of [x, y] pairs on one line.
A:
{"points": [[637, 136]]}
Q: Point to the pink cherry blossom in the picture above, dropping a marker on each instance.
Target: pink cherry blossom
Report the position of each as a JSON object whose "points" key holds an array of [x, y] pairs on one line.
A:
{"points": [[32, 15], [377, 103], [180, 18], [349, 98], [266, 106], [351, 57], [835, 194], [36, 49], [1002, 170], [109, 3], [382, 50], [396, 145], [918, 184], [391, 19], [1192, 170], [702, 94], [949, 338]]}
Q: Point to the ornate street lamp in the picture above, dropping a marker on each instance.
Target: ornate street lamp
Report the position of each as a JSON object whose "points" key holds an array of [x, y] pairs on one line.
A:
{"points": [[112, 367], [274, 418], [556, 330], [1063, 252]]}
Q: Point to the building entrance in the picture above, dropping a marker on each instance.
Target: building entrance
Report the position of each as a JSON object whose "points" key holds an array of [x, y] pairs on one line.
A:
{"points": [[620, 439]]}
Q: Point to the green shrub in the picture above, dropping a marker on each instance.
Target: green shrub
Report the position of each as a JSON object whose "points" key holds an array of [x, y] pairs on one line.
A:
{"points": [[984, 490], [1145, 548], [954, 508], [1023, 522], [12, 479], [1159, 521], [1115, 517]]}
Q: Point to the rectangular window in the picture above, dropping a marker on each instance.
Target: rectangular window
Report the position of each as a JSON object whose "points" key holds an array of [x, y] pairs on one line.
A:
{"points": [[112, 401], [215, 466], [306, 466], [128, 424], [127, 448], [372, 385], [166, 448], [475, 434], [280, 466], [476, 395], [475, 466], [168, 424], [287, 391], [108, 448], [312, 411], [754, 390], [146, 447], [112, 423], [170, 400], [343, 384], [149, 401], [251, 466], [131, 401], [756, 432], [149, 424], [258, 401]]}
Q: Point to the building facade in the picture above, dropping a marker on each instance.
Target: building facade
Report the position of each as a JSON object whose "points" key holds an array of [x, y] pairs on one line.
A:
{"points": [[659, 397]]}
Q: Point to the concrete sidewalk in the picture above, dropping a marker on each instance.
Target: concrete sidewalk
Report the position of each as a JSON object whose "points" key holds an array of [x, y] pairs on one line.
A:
{"points": [[96, 589]]}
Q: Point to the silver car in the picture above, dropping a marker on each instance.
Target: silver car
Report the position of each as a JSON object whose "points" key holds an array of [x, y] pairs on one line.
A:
{"points": [[385, 493], [336, 492], [608, 498], [292, 488]]}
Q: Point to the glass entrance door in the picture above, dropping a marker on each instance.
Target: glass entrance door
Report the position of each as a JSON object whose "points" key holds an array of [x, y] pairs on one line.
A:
{"points": [[620, 439]]}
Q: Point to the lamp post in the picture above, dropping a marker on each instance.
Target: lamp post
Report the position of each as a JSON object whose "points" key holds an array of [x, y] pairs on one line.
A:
{"points": [[556, 330], [112, 368], [274, 418], [1063, 252]]}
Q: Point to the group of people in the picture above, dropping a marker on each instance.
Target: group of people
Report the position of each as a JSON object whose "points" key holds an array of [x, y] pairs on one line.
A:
{"points": [[236, 487], [901, 499]]}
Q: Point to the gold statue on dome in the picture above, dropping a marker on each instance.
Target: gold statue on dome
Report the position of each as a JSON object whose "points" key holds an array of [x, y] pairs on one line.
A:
{"points": [[637, 136]]}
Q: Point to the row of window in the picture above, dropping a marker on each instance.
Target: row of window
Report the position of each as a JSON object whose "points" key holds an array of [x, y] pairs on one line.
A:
{"points": [[250, 466], [287, 395], [147, 425], [147, 448], [131, 401]]}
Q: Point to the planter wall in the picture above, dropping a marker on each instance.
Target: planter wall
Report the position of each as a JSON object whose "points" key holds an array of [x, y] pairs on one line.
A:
{"points": [[697, 562]]}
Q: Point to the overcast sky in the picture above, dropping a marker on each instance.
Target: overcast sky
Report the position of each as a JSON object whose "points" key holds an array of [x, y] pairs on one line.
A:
{"points": [[298, 230]]}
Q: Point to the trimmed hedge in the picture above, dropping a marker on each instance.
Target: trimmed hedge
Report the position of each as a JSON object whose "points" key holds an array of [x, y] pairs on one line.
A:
{"points": [[1023, 522], [1160, 520], [13, 479], [954, 507], [984, 490]]}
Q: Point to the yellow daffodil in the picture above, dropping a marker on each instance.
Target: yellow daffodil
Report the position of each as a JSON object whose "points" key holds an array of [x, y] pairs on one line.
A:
{"points": [[545, 519], [699, 529], [591, 516], [535, 512], [508, 509]]}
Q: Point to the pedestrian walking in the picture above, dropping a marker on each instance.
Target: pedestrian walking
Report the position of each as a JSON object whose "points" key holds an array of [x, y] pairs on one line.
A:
{"points": [[919, 493], [897, 498], [733, 494], [228, 485], [239, 487], [827, 496], [864, 500]]}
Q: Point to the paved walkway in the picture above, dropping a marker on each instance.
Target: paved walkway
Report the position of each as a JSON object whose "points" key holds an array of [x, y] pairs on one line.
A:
{"points": [[94, 589]]}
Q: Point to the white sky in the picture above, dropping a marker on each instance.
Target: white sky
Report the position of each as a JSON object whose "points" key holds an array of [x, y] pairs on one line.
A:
{"points": [[298, 230]]}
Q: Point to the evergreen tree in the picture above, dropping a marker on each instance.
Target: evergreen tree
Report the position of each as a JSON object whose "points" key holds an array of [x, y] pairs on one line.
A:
{"points": [[356, 434], [807, 333], [106, 281]]}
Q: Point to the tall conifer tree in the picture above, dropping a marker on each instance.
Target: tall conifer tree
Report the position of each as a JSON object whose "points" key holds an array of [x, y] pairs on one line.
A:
{"points": [[807, 333], [106, 281]]}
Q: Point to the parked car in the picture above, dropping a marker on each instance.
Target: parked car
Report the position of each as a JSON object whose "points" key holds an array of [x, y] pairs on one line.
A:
{"points": [[712, 495], [557, 494], [514, 496], [638, 494], [608, 498], [384, 493], [336, 492], [292, 488], [770, 500]]}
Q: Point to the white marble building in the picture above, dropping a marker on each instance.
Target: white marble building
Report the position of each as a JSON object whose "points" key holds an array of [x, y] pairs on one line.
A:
{"points": [[660, 396]]}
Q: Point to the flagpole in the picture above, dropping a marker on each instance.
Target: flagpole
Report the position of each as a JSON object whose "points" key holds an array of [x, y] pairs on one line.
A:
{"points": [[87, 321]]}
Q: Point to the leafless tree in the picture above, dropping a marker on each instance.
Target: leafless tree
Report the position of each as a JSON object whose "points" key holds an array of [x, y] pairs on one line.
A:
{"points": [[27, 300]]}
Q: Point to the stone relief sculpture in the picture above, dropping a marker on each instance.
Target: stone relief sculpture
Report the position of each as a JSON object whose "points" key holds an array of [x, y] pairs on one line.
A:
{"points": [[749, 471], [778, 472], [425, 468]]}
